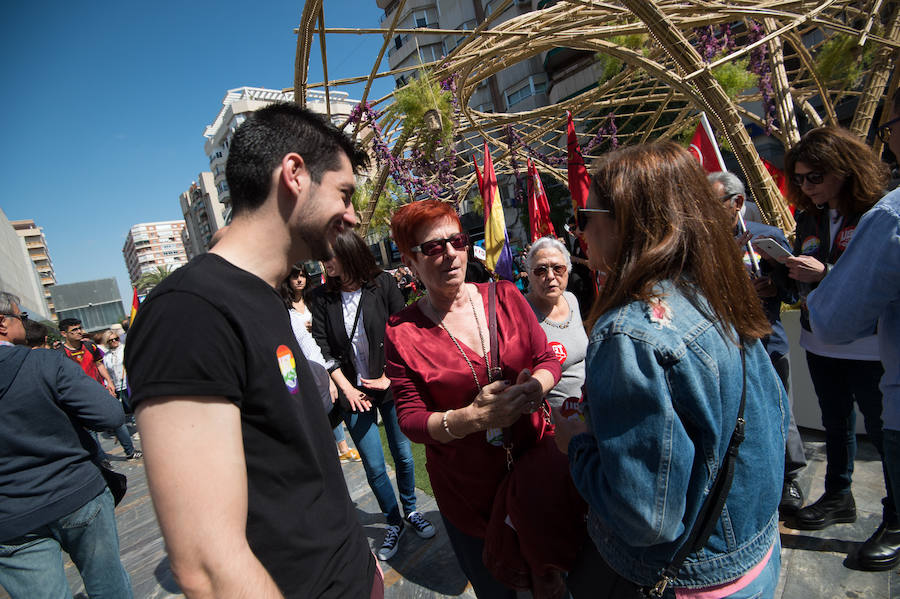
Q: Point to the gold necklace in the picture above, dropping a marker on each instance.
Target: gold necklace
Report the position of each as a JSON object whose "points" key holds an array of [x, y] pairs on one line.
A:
{"points": [[484, 352]]}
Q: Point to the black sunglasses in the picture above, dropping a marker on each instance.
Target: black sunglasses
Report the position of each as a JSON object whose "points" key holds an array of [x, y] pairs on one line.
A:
{"points": [[884, 132], [813, 177], [558, 269], [23, 316], [582, 215], [434, 247]]}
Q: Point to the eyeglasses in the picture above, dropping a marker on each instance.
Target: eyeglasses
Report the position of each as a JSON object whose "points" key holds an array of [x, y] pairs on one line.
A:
{"points": [[812, 177], [435, 247], [111, 339], [884, 132], [728, 198], [581, 216], [542, 269], [23, 316]]}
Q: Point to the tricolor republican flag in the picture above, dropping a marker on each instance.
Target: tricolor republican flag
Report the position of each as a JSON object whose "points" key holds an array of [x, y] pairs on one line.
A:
{"points": [[496, 243], [538, 206], [135, 303]]}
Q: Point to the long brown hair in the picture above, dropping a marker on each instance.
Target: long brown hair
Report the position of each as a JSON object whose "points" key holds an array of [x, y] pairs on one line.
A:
{"points": [[836, 150], [357, 262], [672, 227]]}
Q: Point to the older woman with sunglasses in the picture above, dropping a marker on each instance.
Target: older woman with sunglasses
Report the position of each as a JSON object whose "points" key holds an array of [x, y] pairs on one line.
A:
{"points": [[449, 394], [834, 178], [548, 265]]}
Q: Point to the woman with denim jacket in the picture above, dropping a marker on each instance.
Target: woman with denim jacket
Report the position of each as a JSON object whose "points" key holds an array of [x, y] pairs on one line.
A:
{"points": [[664, 383]]}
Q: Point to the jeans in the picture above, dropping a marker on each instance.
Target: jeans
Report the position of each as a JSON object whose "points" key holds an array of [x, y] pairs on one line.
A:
{"points": [[31, 566], [794, 456], [364, 432], [839, 383], [468, 550], [892, 464], [339, 433], [124, 438]]}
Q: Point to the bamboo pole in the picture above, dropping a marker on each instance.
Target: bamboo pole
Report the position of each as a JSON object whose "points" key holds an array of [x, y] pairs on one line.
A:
{"points": [[304, 43], [784, 103], [873, 92]]}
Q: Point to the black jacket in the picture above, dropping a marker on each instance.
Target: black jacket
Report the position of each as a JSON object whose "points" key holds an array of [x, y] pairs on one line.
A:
{"points": [[380, 299]]}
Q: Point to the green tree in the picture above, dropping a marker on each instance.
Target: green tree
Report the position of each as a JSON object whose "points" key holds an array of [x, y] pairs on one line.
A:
{"points": [[390, 199], [151, 279]]}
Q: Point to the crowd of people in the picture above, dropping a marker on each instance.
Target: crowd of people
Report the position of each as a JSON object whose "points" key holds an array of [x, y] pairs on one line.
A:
{"points": [[631, 436]]}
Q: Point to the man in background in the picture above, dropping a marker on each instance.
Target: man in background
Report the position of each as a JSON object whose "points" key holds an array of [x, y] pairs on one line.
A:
{"points": [[52, 495]]}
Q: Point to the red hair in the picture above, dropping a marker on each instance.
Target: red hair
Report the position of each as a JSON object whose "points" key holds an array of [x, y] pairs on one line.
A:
{"points": [[407, 221]]}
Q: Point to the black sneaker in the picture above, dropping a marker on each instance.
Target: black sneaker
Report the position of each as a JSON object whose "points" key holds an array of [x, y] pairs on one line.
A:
{"points": [[791, 498], [419, 524], [135, 455], [830, 508], [391, 542]]}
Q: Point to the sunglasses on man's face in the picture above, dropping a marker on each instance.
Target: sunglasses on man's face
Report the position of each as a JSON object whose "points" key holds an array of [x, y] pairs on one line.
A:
{"points": [[23, 316], [434, 247], [812, 177], [582, 215]]}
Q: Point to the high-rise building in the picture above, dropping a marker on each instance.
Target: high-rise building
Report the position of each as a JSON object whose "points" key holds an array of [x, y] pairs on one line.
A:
{"points": [[152, 245], [18, 274], [242, 100], [36, 244], [203, 213]]}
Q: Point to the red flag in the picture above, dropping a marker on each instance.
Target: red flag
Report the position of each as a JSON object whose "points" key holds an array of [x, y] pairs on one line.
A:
{"points": [[579, 180], [538, 206], [478, 176], [777, 175], [704, 147]]}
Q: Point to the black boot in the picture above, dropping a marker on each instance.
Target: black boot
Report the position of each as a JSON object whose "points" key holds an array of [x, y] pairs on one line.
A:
{"points": [[830, 508], [791, 498], [881, 551]]}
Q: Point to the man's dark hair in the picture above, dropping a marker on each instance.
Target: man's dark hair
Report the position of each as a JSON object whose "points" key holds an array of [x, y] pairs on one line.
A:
{"points": [[35, 333], [268, 135], [66, 323]]}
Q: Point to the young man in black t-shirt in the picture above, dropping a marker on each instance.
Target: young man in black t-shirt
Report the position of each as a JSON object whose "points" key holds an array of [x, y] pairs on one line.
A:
{"points": [[240, 458]]}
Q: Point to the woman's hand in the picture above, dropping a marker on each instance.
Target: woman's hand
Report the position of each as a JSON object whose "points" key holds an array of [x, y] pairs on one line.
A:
{"points": [[531, 389], [332, 390], [765, 287], [565, 429], [498, 405], [380, 384], [805, 269], [359, 401]]}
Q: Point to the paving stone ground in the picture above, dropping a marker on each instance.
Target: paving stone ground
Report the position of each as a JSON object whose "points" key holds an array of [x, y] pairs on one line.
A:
{"points": [[813, 562]]}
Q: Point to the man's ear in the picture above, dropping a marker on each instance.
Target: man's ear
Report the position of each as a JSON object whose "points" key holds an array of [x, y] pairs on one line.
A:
{"points": [[294, 174], [738, 201]]}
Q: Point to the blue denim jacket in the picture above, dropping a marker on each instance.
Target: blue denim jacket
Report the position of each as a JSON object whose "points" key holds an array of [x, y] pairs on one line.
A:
{"points": [[663, 388], [863, 290]]}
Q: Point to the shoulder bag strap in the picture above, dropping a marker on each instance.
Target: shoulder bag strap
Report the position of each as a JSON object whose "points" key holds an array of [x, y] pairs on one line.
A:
{"points": [[715, 501]]}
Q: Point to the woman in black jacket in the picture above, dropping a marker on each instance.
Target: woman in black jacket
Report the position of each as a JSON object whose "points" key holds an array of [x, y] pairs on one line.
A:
{"points": [[350, 313]]}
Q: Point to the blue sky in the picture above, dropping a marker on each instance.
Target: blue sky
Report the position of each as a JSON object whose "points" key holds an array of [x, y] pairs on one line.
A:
{"points": [[105, 103]]}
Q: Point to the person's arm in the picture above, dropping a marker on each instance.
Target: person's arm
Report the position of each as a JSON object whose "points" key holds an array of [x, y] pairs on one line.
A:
{"points": [[847, 303], [110, 385], [83, 398], [193, 452], [635, 463]]}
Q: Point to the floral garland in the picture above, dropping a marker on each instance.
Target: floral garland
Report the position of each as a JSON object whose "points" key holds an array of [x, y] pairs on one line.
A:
{"points": [[710, 45]]}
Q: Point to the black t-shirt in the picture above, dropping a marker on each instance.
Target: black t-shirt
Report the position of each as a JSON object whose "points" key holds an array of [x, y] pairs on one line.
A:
{"points": [[213, 329]]}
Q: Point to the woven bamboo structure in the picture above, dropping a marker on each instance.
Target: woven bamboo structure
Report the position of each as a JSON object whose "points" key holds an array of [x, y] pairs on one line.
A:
{"points": [[662, 85]]}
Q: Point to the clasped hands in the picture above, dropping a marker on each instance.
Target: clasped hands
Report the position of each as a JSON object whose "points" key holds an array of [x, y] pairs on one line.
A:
{"points": [[360, 401], [499, 404]]}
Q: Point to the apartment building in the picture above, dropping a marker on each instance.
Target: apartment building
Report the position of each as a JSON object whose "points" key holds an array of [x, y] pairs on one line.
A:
{"points": [[18, 274], [36, 244], [204, 214], [97, 304], [242, 100], [152, 245]]}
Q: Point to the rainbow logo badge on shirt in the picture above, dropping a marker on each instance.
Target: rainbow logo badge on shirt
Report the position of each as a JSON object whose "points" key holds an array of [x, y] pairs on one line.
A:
{"points": [[810, 245], [288, 367]]}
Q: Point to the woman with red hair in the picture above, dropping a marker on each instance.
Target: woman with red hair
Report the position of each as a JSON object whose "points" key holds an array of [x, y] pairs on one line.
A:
{"points": [[472, 414]]}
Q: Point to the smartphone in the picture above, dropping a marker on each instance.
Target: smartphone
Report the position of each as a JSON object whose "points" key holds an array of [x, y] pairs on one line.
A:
{"points": [[771, 247]]}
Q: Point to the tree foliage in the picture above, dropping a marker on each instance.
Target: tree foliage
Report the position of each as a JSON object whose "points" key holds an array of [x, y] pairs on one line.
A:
{"points": [[151, 279]]}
